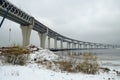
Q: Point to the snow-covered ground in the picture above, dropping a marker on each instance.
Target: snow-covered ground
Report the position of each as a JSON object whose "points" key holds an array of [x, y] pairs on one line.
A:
{"points": [[32, 71], [10, 72]]}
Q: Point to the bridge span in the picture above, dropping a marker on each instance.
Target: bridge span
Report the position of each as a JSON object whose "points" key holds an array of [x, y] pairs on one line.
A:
{"points": [[28, 22]]}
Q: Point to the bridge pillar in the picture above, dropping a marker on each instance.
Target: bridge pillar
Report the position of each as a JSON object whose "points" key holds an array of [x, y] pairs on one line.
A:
{"points": [[48, 42], [42, 37], [68, 45], [55, 43], [105, 46], [26, 31], [80, 45], [85, 46], [94, 46], [73, 46], [89, 46], [61, 44], [97, 46]]}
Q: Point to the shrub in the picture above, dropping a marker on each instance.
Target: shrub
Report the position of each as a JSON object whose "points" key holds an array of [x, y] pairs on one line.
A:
{"points": [[17, 59], [15, 55], [88, 65], [65, 66]]}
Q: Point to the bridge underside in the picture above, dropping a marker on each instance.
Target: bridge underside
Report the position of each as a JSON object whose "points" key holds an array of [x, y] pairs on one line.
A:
{"points": [[76, 49]]}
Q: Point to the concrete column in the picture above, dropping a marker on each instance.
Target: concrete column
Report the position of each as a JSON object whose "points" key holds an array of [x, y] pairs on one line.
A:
{"points": [[68, 45], [101, 46], [26, 31], [105, 46], [93, 46], [73, 46], [97, 46], [42, 37], [48, 42], [89, 46], [85, 46], [61, 44], [55, 43], [80, 45]]}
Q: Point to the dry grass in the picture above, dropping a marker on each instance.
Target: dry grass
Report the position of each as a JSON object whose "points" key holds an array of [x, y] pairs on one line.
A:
{"points": [[88, 64], [14, 50], [15, 54], [65, 66]]}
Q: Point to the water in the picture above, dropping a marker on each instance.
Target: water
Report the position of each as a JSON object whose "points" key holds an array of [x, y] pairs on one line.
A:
{"points": [[112, 54]]}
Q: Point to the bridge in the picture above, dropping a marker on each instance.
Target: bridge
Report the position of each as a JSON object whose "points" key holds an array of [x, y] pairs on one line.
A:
{"points": [[28, 23]]}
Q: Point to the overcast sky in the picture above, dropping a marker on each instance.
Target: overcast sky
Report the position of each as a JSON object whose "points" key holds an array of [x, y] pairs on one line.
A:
{"points": [[84, 20]]}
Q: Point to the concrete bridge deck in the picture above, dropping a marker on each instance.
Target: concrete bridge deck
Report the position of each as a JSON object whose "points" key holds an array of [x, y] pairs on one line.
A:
{"points": [[76, 49]]}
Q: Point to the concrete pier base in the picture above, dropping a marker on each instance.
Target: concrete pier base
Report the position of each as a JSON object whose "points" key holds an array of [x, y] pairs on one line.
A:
{"points": [[55, 43], [75, 45], [61, 44], [26, 32], [48, 42], [42, 37], [68, 45]]}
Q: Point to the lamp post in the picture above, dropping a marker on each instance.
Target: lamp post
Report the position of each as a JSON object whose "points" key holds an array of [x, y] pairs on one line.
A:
{"points": [[9, 34]]}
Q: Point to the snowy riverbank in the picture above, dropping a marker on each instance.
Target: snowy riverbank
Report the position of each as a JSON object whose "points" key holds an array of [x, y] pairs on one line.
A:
{"points": [[33, 71]]}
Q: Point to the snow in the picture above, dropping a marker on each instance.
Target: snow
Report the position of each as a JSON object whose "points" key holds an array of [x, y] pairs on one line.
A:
{"points": [[45, 55], [32, 71], [10, 72]]}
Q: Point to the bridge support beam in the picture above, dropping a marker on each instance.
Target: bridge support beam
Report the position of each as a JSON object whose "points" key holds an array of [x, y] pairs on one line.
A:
{"points": [[26, 32], [48, 42], [42, 37], [91, 46], [97, 46], [80, 45], [85, 46], [88, 46], [55, 43], [61, 44], [73, 46], [68, 45]]}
